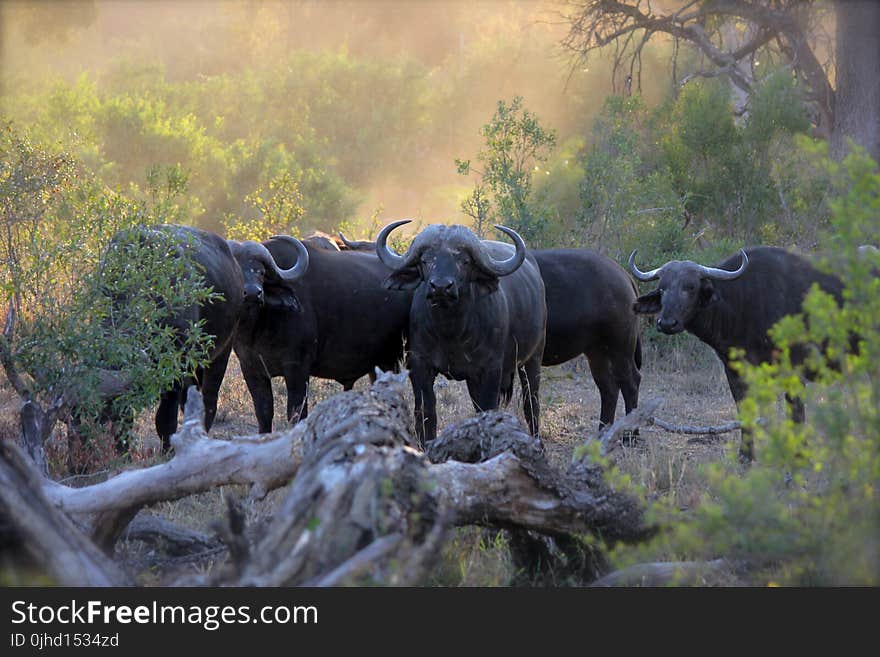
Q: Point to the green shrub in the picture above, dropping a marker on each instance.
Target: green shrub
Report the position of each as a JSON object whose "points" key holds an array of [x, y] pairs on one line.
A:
{"points": [[57, 221], [685, 173], [516, 144]]}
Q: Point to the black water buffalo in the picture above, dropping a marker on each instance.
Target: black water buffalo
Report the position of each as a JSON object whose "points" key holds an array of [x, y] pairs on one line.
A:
{"points": [[478, 314], [733, 305], [590, 311], [215, 262], [336, 321]]}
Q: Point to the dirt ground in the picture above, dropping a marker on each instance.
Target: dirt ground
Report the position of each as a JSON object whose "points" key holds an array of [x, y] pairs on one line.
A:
{"points": [[687, 377]]}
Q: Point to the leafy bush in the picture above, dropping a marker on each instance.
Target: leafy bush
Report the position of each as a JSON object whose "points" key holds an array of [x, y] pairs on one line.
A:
{"points": [[278, 212], [62, 281], [671, 179], [627, 203], [515, 147]]}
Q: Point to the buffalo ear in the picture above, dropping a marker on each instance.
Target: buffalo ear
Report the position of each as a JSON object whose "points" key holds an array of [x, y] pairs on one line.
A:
{"points": [[404, 279], [708, 293], [485, 283], [648, 304], [280, 297]]}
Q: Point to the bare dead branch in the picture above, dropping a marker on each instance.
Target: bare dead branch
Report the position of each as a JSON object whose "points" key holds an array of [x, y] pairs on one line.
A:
{"points": [[231, 532], [357, 479], [176, 540], [690, 430], [49, 536], [609, 438], [200, 463], [781, 27], [12, 374]]}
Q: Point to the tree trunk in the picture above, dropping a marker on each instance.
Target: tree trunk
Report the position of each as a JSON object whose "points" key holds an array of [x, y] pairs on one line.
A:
{"points": [[31, 523], [857, 96], [364, 505]]}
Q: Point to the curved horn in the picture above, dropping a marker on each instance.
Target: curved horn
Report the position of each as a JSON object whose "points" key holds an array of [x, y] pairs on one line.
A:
{"points": [[506, 267], [302, 260], [350, 245], [652, 275], [723, 274], [387, 256]]}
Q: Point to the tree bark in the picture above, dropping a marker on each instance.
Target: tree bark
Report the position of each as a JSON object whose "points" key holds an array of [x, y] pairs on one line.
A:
{"points": [[200, 463], [364, 505], [48, 536], [176, 540], [857, 67], [507, 482]]}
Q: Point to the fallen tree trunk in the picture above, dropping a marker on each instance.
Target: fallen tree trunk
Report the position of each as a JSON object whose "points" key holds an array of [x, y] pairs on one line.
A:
{"points": [[689, 430], [176, 540], [199, 464], [493, 472], [361, 504], [48, 536], [364, 505]]}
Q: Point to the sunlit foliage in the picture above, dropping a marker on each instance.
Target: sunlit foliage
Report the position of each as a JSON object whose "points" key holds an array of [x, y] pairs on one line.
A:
{"points": [[80, 307]]}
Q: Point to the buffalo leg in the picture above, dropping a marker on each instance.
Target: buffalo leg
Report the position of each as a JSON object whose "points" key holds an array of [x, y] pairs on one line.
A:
{"points": [[530, 380], [167, 414], [796, 407], [424, 401], [600, 368], [297, 397], [260, 386], [212, 378], [474, 392], [738, 389], [628, 379], [486, 391]]}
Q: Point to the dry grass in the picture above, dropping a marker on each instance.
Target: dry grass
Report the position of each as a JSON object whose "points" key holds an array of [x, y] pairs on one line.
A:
{"points": [[688, 377]]}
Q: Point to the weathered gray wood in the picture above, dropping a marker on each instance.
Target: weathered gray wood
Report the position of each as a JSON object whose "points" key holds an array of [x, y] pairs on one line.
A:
{"points": [[200, 463], [174, 539], [689, 430], [611, 436], [360, 481], [51, 539], [360, 563], [509, 482]]}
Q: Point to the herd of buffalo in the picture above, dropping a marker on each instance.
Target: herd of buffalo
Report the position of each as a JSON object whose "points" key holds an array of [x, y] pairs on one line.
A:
{"points": [[470, 309]]}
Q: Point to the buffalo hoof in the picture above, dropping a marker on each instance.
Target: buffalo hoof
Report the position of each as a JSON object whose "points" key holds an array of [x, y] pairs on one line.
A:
{"points": [[631, 438]]}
